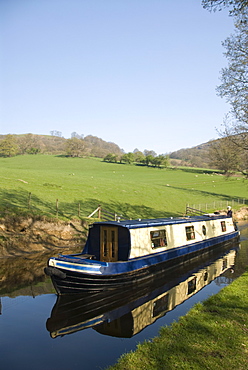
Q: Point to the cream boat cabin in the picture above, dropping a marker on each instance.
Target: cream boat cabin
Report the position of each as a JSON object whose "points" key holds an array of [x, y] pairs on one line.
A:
{"points": [[120, 253], [156, 239]]}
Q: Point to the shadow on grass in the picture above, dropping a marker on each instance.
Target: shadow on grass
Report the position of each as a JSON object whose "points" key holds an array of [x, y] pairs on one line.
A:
{"points": [[20, 202], [206, 194], [201, 171]]}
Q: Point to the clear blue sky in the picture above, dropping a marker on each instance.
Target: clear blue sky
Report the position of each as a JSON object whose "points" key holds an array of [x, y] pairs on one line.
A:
{"points": [[139, 73]]}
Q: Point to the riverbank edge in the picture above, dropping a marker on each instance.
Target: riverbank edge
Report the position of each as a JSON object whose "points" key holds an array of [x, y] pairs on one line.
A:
{"points": [[212, 335], [23, 235], [26, 234]]}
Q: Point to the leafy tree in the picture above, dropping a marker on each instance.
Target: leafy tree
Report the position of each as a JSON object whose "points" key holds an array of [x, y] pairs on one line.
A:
{"points": [[161, 160], [110, 158], [139, 157], [8, 146], [75, 147], [149, 159], [149, 156], [127, 158]]}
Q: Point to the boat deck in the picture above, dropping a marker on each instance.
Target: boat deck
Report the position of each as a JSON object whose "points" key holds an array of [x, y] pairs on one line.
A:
{"points": [[139, 223]]}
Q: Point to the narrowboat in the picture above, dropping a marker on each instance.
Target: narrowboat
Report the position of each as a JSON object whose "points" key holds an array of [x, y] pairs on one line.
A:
{"points": [[125, 312], [120, 253]]}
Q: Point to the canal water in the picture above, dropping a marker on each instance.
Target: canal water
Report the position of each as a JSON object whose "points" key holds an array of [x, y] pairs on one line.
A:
{"points": [[39, 330]]}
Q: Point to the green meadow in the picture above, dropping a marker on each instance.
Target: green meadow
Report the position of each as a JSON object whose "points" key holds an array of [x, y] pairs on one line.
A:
{"points": [[76, 186]]}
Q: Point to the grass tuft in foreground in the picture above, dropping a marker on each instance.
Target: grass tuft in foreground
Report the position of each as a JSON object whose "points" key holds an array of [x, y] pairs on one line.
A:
{"points": [[213, 335]]}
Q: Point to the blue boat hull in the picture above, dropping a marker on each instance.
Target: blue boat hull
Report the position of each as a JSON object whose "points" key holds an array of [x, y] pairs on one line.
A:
{"points": [[115, 275], [76, 312]]}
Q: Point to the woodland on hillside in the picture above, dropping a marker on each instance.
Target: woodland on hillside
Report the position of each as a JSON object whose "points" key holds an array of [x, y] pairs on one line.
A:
{"points": [[214, 154], [76, 146]]}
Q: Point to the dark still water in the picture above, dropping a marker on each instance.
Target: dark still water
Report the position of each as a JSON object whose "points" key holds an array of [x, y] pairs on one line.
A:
{"points": [[39, 330]]}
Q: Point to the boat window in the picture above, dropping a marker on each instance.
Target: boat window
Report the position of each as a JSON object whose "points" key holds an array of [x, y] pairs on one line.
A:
{"points": [[206, 276], [192, 285], [223, 226], [190, 232], [158, 238], [160, 306], [204, 231], [224, 265]]}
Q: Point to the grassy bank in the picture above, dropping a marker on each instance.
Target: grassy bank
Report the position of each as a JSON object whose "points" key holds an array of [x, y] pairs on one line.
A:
{"points": [[213, 335], [52, 185]]}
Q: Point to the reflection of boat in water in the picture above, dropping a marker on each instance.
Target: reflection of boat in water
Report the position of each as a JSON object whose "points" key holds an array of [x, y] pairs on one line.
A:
{"points": [[119, 254], [125, 313]]}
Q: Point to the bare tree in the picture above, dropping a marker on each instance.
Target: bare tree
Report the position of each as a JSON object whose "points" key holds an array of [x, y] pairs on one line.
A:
{"points": [[75, 134], [234, 77], [236, 6], [28, 143], [222, 155], [230, 153], [56, 133]]}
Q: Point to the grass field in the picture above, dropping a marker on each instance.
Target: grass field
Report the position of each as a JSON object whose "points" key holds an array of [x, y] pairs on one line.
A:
{"points": [[133, 191]]}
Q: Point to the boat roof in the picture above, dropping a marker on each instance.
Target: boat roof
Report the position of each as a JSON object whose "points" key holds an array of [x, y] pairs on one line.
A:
{"points": [[140, 223]]}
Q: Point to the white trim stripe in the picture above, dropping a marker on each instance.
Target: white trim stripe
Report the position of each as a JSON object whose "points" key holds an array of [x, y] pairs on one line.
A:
{"points": [[88, 269]]}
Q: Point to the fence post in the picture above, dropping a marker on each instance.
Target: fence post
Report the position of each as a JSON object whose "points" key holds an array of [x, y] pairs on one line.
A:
{"points": [[99, 211], [57, 207], [29, 200]]}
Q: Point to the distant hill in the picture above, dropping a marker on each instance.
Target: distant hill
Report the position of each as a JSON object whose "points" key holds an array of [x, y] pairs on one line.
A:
{"points": [[100, 148], [51, 144], [193, 157], [96, 147]]}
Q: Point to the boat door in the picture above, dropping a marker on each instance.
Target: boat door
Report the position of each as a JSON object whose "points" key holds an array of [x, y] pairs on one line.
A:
{"points": [[109, 244]]}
